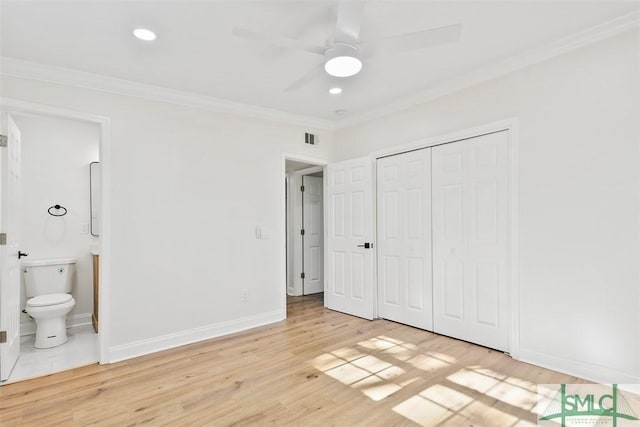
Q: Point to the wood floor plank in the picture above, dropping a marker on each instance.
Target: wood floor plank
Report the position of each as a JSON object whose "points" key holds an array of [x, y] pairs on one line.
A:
{"points": [[318, 367]]}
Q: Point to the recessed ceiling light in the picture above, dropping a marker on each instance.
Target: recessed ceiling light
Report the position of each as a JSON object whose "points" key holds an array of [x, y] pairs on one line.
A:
{"points": [[335, 90], [343, 60], [144, 34]]}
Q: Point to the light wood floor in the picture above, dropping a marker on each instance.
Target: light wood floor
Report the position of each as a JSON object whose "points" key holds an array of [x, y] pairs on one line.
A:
{"points": [[318, 368]]}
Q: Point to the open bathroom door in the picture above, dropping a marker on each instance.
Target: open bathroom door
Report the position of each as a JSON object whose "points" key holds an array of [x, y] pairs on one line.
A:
{"points": [[349, 220], [9, 246]]}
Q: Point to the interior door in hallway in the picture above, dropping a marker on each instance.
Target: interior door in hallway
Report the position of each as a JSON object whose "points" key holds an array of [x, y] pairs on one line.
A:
{"points": [[404, 238], [470, 240], [349, 271], [312, 213]]}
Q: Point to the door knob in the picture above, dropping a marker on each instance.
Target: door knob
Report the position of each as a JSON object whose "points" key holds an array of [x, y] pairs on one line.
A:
{"points": [[22, 254], [366, 245]]}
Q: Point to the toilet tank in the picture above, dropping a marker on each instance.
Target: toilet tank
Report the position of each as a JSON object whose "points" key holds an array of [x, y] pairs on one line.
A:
{"points": [[48, 276]]}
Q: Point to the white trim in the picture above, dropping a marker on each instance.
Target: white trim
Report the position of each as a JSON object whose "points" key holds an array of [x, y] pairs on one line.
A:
{"points": [[288, 238], [296, 224], [576, 368], [449, 137], [531, 57], [73, 321], [283, 212], [104, 122], [32, 70], [49, 73], [514, 237], [511, 126], [177, 339]]}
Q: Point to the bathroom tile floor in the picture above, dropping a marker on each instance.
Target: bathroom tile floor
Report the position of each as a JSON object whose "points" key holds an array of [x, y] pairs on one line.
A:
{"points": [[81, 349]]}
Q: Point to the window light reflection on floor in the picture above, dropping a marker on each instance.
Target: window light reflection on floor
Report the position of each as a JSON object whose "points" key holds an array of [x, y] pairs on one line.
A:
{"points": [[456, 399], [374, 377]]}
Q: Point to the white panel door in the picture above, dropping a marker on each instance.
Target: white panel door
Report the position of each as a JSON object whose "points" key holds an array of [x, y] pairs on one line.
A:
{"points": [[404, 238], [312, 249], [9, 262], [349, 261], [470, 240]]}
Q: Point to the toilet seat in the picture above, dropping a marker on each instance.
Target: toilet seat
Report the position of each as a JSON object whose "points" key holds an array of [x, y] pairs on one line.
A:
{"points": [[48, 300]]}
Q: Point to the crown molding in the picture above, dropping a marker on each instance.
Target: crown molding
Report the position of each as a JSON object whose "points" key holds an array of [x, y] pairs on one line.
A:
{"points": [[603, 31], [31, 70], [35, 71]]}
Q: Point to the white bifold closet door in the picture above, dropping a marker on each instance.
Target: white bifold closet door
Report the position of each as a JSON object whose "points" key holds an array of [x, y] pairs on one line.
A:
{"points": [[404, 238], [470, 240]]}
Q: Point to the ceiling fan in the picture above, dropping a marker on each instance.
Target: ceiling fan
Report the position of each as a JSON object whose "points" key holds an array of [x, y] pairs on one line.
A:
{"points": [[344, 51]]}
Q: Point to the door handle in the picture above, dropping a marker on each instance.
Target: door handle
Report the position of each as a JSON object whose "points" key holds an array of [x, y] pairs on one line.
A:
{"points": [[366, 245], [22, 254]]}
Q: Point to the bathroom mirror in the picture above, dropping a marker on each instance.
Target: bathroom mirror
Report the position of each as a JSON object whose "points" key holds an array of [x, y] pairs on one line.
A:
{"points": [[94, 197]]}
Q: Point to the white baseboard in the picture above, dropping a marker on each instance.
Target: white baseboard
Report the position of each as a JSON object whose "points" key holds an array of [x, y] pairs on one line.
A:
{"points": [[73, 321], [165, 342], [587, 371]]}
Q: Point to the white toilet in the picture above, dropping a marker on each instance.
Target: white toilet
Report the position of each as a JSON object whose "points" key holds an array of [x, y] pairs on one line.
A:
{"points": [[48, 284]]}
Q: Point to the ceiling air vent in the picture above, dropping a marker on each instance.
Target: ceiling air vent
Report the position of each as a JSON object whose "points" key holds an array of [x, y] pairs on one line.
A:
{"points": [[310, 139]]}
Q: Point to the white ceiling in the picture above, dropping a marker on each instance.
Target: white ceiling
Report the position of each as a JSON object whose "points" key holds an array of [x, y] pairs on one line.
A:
{"points": [[196, 52]]}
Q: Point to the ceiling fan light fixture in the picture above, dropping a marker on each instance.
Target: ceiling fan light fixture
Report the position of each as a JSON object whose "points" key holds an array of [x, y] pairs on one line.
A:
{"points": [[343, 60]]}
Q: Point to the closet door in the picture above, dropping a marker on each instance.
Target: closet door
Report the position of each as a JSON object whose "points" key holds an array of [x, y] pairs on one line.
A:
{"points": [[470, 224], [404, 238]]}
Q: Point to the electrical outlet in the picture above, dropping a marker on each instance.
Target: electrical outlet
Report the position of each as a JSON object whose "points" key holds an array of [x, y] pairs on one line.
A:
{"points": [[245, 295]]}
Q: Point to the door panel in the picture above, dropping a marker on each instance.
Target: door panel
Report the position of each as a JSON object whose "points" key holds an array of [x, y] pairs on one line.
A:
{"points": [[312, 241], [470, 224], [9, 263], [349, 223], [404, 232]]}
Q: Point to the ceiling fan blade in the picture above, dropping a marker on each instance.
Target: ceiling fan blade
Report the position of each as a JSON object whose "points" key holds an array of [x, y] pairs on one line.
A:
{"points": [[348, 22], [276, 40], [412, 41], [311, 75]]}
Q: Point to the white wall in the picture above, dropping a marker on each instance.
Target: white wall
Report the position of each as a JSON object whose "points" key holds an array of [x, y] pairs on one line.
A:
{"points": [[578, 198], [55, 170], [188, 188]]}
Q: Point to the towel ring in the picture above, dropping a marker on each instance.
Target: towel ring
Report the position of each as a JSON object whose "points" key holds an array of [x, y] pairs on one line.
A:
{"points": [[57, 208]]}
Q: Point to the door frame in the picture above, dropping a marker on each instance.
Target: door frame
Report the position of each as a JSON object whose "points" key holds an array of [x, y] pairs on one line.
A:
{"points": [[18, 107], [511, 125], [319, 164], [296, 220]]}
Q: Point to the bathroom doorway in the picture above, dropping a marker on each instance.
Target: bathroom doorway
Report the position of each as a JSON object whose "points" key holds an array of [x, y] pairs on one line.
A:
{"points": [[57, 221]]}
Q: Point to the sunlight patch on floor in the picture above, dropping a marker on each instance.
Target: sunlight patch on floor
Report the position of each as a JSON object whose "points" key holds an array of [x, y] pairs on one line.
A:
{"points": [[376, 388], [427, 363], [473, 380], [347, 374], [422, 411], [452, 401], [369, 374], [380, 343], [371, 363], [446, 397]]}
